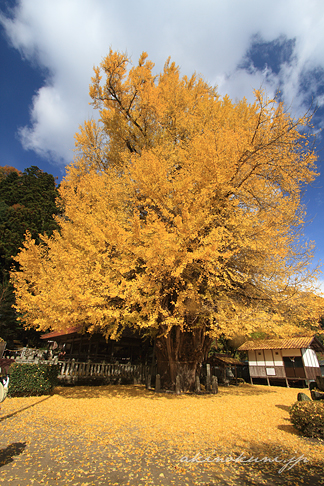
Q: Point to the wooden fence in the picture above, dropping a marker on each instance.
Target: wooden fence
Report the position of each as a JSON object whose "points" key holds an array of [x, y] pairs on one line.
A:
{"points": [[72, 371]]}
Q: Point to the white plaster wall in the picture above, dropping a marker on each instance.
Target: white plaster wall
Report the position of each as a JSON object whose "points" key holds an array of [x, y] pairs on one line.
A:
{"points": [[252, 358], [310, 358], [260, 357], [268, 357], [277, 356]]}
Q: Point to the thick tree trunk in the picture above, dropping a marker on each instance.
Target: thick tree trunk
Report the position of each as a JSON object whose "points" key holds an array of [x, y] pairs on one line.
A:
{"points": [[181, 353]]}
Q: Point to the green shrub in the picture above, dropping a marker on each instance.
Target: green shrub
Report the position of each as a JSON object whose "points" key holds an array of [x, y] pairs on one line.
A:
{"points": [[32, 379], [308, 418]]}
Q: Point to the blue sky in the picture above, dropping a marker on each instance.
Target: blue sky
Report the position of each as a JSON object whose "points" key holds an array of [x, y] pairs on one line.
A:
{"points": [[48, 49]]}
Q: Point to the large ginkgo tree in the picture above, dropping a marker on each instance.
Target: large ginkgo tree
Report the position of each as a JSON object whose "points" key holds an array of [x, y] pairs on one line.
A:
{"points": [[182, 217]]}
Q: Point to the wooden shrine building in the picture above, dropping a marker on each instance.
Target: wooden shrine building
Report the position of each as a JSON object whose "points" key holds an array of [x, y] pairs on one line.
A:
{"points": [[71, 344], [288, 360]]}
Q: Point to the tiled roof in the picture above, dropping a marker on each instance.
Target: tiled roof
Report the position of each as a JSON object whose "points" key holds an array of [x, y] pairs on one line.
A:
{"points": [[225, 359], [54, 334], [295, 343], [126, 333]]}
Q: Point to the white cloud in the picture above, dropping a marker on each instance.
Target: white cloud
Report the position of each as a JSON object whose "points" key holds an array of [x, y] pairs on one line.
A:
{"points": [[50, 119], [68, 37], [319, 287]]}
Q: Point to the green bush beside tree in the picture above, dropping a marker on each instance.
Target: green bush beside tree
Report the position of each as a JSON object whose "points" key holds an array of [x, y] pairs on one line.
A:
{"points": [[32, 379]]}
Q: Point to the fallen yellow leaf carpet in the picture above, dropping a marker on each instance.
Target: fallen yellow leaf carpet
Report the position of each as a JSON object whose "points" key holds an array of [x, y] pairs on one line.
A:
{"points": [[127, 435]]}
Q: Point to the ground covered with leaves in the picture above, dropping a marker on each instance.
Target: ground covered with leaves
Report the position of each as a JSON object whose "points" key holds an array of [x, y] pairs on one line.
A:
{"points": [[127, 435]]}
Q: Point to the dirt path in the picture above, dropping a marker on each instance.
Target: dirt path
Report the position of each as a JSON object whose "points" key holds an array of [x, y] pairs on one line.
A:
{"points": [[124, 435]]}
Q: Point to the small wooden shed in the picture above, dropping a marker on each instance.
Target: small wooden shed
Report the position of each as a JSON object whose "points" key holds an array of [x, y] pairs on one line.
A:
{"points": [[292, 359], [226, 367]]}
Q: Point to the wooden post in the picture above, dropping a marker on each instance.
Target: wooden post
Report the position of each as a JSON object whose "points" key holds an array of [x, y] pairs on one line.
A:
{"points": [[197, 384], [214, 384], [87, 372], [135, 375], [143, 371], [178, 388], [148, 384], [63, 367], [157, 383], [153, 358], [208, 378]]}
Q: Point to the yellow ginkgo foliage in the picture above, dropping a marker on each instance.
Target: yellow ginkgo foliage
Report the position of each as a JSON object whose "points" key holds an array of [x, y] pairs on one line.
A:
{"points": [[182, 217]]}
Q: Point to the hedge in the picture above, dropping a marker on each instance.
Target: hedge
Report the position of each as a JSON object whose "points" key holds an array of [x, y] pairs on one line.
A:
{"points": [[32, 379], [308, 418]]}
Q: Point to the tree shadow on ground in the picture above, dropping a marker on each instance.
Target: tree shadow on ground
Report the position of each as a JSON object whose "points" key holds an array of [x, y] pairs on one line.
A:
{"points": [[288, 428], [259, 464], [140, 391], [7, 454], [247, 389], [22, 409], [283, 407]]}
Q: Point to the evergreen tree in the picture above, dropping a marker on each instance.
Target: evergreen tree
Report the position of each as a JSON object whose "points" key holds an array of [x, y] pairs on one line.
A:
{"points": [[27, 202]]}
